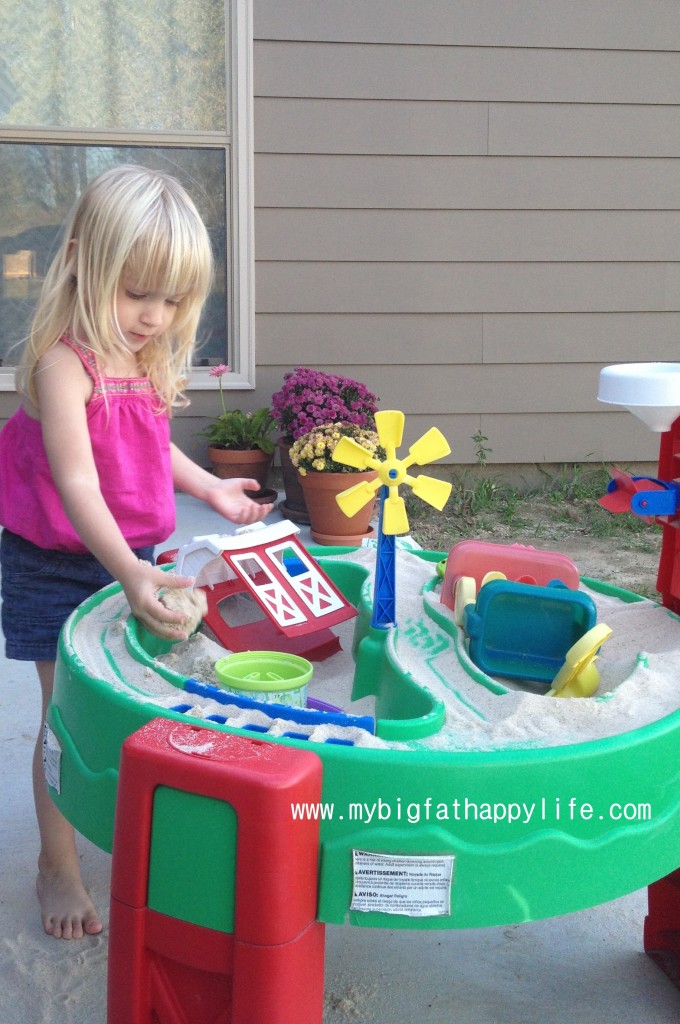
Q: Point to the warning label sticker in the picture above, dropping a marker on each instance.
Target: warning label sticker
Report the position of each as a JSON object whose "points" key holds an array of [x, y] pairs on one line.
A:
{"points": [[416, 886]]}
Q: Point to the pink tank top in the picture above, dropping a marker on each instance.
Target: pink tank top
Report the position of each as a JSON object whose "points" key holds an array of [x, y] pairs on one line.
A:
{"points": [[131, 446]]}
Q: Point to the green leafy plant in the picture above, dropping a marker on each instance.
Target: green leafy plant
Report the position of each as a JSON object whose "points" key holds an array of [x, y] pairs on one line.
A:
{"points": [[242, 431], [239, 431], [482, 450]]}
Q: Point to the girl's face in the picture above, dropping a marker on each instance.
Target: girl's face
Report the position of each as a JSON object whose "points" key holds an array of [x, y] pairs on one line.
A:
{"points": [[142, 315]]}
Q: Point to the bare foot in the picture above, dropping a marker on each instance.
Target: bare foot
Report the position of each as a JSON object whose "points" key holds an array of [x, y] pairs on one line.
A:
{"points": [[67, 910]]}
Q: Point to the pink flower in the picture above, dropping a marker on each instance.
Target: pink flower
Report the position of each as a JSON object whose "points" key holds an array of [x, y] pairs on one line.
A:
{"points": [[218, 371]]}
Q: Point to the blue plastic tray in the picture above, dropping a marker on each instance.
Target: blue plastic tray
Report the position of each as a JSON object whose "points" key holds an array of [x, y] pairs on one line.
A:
{"points": [[522, 631]]}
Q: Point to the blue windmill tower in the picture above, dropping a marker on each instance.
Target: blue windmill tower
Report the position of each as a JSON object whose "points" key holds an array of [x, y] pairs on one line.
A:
{"points": [[392, 473]]}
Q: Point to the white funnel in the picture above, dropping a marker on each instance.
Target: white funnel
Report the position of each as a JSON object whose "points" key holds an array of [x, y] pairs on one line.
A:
{"points": [[651, 391]]}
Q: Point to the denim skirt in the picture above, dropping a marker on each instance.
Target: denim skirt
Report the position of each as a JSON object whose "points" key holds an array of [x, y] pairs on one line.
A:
{"points": [[40, 589]]}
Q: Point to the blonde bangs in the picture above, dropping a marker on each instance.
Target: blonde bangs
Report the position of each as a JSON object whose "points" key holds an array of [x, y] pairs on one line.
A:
{"points": [[170, 256]]}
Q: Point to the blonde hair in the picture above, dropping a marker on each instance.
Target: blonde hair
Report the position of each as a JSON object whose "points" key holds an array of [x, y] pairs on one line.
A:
{"points": [[134, 223]]}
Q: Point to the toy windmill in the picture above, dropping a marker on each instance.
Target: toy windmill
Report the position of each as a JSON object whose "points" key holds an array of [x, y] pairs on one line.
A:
{"points": [[392, 472]]}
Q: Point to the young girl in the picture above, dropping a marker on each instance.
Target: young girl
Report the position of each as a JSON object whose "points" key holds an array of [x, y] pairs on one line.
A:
{"points": [[87, 469]]}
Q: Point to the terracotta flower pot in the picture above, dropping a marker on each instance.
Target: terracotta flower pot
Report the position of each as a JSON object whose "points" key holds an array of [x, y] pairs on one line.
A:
{"points": [[329, 524], [252, 464]]}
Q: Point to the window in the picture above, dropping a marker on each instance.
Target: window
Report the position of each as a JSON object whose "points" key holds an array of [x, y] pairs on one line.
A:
{"points": [[87, 84]]}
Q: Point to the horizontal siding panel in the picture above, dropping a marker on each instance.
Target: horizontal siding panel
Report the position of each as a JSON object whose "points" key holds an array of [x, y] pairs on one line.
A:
{"points": [[366, 71], [611, 437], [580, 337], [427, 338], [450, 183], [579, 129], [468, 235], [466, 288], [370, 126], [473, 389], [408, 338], [607, 24]]}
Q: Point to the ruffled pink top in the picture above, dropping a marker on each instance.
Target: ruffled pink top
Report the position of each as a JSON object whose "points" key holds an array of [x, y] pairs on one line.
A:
{"points": [[131, 445]]}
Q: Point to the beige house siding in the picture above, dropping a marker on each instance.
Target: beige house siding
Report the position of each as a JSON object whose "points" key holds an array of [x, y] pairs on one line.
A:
{"points": [[472, 207]]}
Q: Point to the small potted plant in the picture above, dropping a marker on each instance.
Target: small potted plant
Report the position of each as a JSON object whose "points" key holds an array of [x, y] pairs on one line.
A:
{"points": [[311, 398], [240, 444], [321, 478]]}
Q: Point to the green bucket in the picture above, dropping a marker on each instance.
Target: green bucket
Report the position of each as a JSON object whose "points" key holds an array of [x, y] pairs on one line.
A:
{"points": [[266, 675]]}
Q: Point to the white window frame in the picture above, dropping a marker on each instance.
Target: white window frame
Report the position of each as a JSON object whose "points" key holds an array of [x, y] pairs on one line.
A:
{"points": [[239, 186]]}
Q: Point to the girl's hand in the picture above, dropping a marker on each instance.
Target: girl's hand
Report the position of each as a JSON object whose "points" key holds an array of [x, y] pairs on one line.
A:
{"points": [[228, 497], [142, 587]]}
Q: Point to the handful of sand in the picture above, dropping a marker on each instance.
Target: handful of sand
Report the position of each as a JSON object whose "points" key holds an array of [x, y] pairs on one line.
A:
{"points": [[193, 604]]}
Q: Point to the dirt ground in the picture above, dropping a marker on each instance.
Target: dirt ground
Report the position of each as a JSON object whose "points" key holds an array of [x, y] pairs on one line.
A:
{"points": [[604, 558], [625, 555]]}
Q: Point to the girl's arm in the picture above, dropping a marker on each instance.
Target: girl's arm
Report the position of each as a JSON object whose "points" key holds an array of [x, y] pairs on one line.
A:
{"points": [[63, 390], [227, 497]]}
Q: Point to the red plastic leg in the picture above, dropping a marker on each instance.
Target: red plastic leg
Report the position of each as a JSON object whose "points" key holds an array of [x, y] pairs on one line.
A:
{"points": [[165, 970], [662, 925]]}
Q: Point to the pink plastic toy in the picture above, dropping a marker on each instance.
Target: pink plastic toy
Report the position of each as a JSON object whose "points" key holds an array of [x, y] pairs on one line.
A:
{"points": [[518, 562]]}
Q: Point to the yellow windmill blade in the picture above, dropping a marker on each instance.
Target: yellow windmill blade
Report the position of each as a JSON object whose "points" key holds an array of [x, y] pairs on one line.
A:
{"points": [[395, 520], [354, 498], [389, 425], [434, 492], [428, 448], [393, 471], [350, 453]]}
